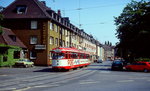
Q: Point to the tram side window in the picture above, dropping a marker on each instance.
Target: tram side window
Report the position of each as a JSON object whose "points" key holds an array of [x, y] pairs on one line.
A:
{"points": [[81, 56], [87, 56], [58, 55], [73, 55], [67, 55]]}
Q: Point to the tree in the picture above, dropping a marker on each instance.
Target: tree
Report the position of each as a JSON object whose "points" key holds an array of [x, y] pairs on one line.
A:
{"points": [[133, 30]]}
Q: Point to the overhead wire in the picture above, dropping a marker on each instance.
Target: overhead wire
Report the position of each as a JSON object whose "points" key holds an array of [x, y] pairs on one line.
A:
{"points": [[94, 7], [85, 8]]}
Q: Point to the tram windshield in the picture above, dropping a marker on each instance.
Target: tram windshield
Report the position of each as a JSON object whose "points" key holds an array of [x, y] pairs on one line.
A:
{"points": [[58, 55]]}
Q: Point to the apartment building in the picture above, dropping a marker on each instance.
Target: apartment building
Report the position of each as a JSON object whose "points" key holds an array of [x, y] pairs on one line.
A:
{"points": [[41, 29]]}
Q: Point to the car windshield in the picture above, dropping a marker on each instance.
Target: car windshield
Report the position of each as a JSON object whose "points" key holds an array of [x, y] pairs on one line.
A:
{"points": [[57, 55]]}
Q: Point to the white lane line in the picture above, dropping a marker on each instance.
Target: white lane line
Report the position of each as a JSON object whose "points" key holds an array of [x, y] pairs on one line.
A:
{"points": [[23, 89], [138, 78], [3, 75], [43, 86], [88, 82], [7, 89], [125, 81], [105, 72]]}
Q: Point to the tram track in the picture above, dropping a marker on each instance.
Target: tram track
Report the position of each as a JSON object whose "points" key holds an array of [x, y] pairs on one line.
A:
{"points": [[41, 80]]}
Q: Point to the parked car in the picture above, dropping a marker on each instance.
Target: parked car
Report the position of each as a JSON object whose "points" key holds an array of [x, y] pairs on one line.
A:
{"points": [[138, 66], [117, 65], [24, 63], [99, 61]]}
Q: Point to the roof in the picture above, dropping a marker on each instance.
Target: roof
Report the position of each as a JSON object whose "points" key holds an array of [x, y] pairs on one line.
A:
{"points": [[6, 38], [108, 48], [34, 9]]}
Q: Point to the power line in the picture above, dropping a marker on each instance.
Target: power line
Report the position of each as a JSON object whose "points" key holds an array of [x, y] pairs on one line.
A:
{"points": [[111, 5]]}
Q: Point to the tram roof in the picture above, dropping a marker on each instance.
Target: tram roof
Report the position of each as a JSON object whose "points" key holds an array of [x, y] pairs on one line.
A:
{"points": [[67, 49]]}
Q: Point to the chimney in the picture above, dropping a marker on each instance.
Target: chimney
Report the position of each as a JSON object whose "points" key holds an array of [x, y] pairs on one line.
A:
{"points": [[67, 19], [59, 12], [43, 2]]}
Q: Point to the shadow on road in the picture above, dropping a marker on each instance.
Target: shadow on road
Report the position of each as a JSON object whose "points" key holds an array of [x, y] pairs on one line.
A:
{"points": [[99, 65], [44, 70], [49, 70], [101, 69]]}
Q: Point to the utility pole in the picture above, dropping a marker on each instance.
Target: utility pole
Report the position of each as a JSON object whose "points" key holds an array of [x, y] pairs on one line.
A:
{"points": [[79, 15]]}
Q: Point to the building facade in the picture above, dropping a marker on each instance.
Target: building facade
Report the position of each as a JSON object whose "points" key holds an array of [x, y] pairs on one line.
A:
{"points": [[11, 48], [41, 29], [109, 52]]}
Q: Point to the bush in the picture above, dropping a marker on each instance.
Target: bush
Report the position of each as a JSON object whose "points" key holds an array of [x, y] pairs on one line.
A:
{"points": [[143, 59]]}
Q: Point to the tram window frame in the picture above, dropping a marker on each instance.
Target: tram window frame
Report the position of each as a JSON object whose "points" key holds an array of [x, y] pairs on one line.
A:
{"points": [[67, 56], [79, 55], [87, 56], [74, 55], [82, 56]]}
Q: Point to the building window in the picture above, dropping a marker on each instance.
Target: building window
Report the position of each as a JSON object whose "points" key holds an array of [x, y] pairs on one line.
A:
{"points": [[51, 26], [63, 31], [63, 43], [21, 9], [56, 28], [67, 44], [33, 40], [56, 41], [33, 55], [5, 59], [16, 54], [60, 42], [13, 38], [51, 40], [33, 24]]}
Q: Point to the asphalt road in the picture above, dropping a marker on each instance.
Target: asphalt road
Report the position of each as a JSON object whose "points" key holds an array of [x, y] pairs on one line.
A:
{"points": [[96, 77]]}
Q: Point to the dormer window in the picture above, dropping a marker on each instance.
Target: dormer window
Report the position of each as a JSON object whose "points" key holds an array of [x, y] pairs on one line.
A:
{"points": [[13, 38], [21, 9]]}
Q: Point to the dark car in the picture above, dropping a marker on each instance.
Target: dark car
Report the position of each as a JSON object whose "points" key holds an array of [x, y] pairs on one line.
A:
{"points": [[117, 65], [99, 61]]}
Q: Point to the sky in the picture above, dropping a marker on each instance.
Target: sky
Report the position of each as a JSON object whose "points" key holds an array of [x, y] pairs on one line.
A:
{"points": [[96, 17]]}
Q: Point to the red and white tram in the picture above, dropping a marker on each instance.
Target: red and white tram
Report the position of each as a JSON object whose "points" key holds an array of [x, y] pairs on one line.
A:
{"points": [[69, 58]]}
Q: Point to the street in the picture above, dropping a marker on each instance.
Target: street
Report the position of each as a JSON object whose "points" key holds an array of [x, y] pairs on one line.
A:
{"points": [[95, 77]]}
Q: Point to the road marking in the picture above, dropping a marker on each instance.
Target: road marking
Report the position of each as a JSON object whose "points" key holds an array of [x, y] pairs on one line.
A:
{"points": [[105, 72], [6, 89], [3, 75], [23, 89], [92, 82], [125, 81], [86, 80], [139, 78], [43, 86], [89, 81]]}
